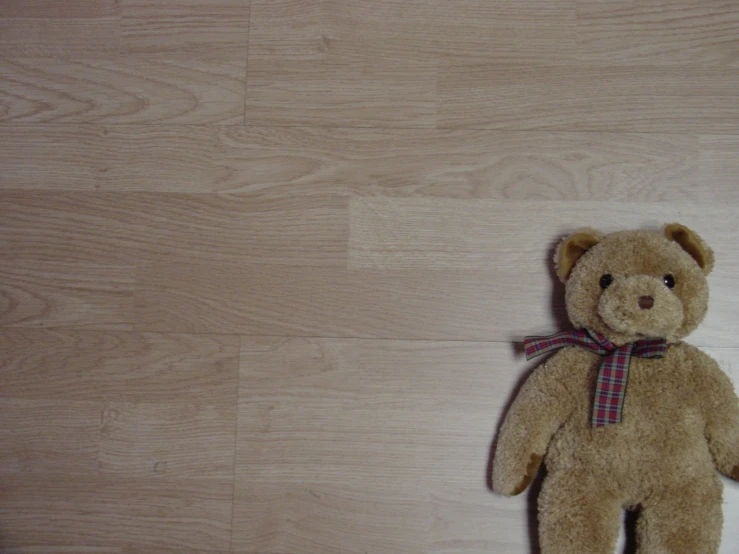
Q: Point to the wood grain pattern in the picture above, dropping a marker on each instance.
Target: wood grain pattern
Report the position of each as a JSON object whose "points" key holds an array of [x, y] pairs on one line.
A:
{"points": [[53, 9], [469, 519], [49, 436], [316, 460], [36, 37], [124, 62], [315, 82], [313, 30], [719, 164], [330, 62], [652, 99], [326, 518], [335, 302], [186, 29], [106, 550], [136, 228], [323, 388], [34, 294], [362, 94], [656, 32], [264, 263], [116, 513], [404, 234], [134, 89], [187, 440], [366, 162], [117, 366], [117, 441]]}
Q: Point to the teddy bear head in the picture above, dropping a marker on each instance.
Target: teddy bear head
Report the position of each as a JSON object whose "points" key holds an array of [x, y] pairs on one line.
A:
{"points": [[631, 285]]}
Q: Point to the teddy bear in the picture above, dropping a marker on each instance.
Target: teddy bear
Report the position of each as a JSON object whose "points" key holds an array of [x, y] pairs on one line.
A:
{"points": [[622, 413]]}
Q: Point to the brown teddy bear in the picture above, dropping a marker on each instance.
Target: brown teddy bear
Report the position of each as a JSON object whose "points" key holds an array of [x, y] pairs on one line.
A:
{"points": [[653, 446]]}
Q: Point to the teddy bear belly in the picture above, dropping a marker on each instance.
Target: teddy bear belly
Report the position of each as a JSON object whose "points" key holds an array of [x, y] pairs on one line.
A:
{"points": [[655, 443]]}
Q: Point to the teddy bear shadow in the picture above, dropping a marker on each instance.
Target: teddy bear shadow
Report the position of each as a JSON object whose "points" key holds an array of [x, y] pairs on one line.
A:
{"points": [[562, 322]]}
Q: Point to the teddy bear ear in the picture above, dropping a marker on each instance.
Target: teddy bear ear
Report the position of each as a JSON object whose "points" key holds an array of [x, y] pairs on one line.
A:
{"points": [[571, 248], [692, 244]]}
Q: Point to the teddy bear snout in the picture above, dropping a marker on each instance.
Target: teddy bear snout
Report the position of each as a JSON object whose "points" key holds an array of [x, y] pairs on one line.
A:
{"points": [[640, 305], [646, 302]]}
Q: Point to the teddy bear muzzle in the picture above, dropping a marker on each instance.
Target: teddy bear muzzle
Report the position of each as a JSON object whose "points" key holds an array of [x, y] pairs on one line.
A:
{"points": [[641, 305]]}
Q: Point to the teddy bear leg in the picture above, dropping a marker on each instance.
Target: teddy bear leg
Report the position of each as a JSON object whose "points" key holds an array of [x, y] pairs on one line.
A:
{"points": [[577, 515], [682, 520]]}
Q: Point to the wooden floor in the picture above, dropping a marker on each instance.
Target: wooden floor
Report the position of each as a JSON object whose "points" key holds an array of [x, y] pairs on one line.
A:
{"points": [[263, 264]]}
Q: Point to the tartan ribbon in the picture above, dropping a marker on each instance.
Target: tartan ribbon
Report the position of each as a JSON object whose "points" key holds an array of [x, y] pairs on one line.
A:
{"points": [[610, 390]]}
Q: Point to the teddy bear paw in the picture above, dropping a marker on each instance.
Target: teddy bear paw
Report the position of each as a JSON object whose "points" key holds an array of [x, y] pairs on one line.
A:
{"points": [[531, 470]]}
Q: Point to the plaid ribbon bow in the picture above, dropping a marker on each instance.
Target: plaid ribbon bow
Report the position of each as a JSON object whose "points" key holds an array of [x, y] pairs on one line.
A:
{"points": [[613, 373]]}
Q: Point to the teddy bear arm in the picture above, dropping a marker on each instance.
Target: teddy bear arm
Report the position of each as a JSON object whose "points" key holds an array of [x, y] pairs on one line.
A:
{"points": [[720, 407], [539, 409]]}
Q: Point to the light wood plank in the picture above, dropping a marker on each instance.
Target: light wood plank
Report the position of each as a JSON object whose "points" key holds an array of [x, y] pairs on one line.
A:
{"points": [[72, 295], [313, 79], [319, 460], [340, 458], [335, 302], [186, 29], [36, 37], [46, 9], [186, 440], [324, 518], [393, 162], [183, 63], [719, 167], [330, 62], [655, 32], [504, 30], [469, 519], [649, 99], [409, 234], [321, 388], [380, 93], [133, 89], [118, 366], [179, 158], [142, 437], [135, 228], [106, 550], [288, 369], [49, 436], [116, 513], [287, 430]]}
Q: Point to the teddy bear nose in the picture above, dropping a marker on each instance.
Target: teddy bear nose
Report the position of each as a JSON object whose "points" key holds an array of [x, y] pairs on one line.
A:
{"points": [[646, 302]]}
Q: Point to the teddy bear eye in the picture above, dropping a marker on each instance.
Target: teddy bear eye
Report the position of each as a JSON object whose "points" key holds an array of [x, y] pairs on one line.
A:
{"points": [[669, 280], [606, 280]]}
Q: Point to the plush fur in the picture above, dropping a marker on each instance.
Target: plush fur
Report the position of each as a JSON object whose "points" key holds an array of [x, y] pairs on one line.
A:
{"points": [[681, 414]]}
